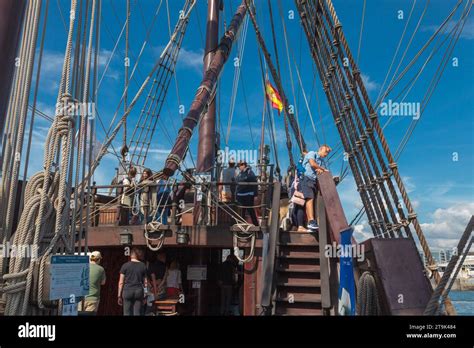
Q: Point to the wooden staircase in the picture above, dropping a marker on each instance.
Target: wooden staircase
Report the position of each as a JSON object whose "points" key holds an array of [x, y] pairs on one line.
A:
{"points": [[298, 282]]}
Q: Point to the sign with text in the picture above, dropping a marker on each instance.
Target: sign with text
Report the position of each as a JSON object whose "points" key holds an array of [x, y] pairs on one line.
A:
{"points": [[69, 307], [69, 275], [197, 272]]}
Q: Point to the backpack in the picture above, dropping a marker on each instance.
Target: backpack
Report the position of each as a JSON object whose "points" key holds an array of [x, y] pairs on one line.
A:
{"points": [[300, 168]]}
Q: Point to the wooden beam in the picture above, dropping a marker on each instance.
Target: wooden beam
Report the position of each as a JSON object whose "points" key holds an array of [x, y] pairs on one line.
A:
{"points": [[323, 260], [199, 236], [335, 214], [269, 251], [250, 286]]}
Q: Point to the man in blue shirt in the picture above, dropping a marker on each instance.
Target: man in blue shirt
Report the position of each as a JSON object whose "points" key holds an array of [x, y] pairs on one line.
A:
{"points": [[313, 164]]}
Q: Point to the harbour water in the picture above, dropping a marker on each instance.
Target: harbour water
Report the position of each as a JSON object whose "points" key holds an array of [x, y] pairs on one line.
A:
{"points": [[463, 301]]}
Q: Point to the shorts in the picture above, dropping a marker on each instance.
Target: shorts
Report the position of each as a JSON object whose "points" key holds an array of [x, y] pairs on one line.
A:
{"points": [[88, 306], [307, 186], [172, 292]]}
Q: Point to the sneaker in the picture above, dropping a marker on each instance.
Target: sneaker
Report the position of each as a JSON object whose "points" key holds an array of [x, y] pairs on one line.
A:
{"points": [[312, 225]]}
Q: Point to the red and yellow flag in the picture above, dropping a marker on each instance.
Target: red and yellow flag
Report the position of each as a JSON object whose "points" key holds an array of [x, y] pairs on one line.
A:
{"points": [[274, 96]]}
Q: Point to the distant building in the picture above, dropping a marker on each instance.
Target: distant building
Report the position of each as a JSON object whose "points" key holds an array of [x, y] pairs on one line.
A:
{"points": [[440, 255]]}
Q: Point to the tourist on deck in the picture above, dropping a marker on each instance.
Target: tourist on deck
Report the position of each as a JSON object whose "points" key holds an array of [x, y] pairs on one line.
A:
{"points": [[96, 280], [129, 185], [228, 175], [174, 285], [313, 164], [145, 191], [156, 274], [132, 284], [163, 201], [156, 269], [246, 193], [298, 214]]}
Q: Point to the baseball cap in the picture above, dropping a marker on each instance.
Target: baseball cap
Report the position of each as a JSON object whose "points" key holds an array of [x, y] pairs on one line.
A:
{"points": [[96, 255]]}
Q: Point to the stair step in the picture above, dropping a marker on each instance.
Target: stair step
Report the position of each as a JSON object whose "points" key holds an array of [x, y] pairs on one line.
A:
{"points": [[297, 291], [299, 297], [317, 314], [309, 251], [300, 282], [293, 254], [296, 263], [297, 244], [300, 269], [294, 310], [298, 237], [286, 277]]}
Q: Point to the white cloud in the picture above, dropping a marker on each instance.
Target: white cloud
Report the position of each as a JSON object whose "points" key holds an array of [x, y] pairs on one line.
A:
{"points": [[187, 59], [370, 85], [46, 108], [409, 184], [191, 59], [104, 56], [447, 225], [349, 196], [52, 66], [467, 32], [361, 233]]}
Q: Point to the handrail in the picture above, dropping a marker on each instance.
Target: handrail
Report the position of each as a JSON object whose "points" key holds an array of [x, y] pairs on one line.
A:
{"points": [[216, 183], [323, 260], [207, 185], [270, 240]]}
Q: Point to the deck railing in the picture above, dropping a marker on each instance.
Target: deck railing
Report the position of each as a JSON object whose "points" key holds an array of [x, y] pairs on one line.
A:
{"points": [[107, 209]]}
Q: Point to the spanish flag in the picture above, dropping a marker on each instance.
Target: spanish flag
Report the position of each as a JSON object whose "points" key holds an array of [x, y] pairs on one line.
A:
{"points": [[274, 96]]}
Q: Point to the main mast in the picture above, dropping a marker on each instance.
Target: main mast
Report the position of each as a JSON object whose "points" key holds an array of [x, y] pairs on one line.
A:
{"points": [[207, 128]]}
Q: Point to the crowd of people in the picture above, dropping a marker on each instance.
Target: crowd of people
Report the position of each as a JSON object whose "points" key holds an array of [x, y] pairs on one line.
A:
{"points": [[238, 184], [142, 281], [146, 199]]}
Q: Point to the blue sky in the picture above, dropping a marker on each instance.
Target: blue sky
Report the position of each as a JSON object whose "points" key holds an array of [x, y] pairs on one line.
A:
{"points": [[441, 189]]}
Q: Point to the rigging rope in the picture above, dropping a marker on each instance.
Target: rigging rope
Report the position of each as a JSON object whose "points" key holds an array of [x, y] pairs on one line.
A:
{"points": [[323, 11], [182, 22], [276, 78], [237, 71], [126, 64], [285, 37], [44, 220]]}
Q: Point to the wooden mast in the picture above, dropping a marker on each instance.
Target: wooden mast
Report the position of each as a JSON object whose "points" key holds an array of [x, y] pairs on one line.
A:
{"points": [[207, 133], [205, 92], [11, 18], [207, 127]]}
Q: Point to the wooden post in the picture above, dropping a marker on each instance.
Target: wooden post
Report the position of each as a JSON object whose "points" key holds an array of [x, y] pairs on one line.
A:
{"points": [[334, 212], [250, 286], [323, 261], [269, 251]]}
